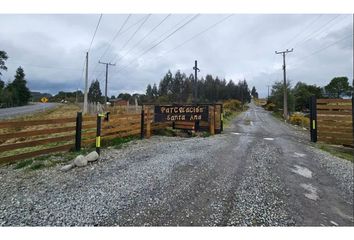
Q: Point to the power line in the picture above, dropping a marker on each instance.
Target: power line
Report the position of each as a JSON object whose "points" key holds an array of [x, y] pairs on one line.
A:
{"points": [[137, 43], [161, 35], [133, 35], [161, 41], [328, 28], [303, 30], [308, 37], [119, 32], [324, 48], [116, 35], [200, 33], [196, 35], [93, 37], [127, 42]]}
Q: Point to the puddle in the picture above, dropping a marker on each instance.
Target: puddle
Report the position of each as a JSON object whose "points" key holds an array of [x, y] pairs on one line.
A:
{"points": [[312, 191], [334, 223], [236, 133], [302, 171], [269, 139], [299, 154]]}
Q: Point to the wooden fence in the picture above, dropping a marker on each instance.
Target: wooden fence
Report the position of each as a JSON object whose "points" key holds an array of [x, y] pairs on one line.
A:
{"points": [[335, 121], [26, 139]]}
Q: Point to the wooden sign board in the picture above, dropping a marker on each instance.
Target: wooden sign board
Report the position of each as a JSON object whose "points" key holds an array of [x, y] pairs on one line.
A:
{"points": [[189, 113]]}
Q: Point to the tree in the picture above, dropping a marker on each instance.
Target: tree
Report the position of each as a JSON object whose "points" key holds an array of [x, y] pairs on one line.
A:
{"points": [[124, 96], [338, 87], [21, 94], [149, 92], [254, 92], [154, 91], [95, 94], [2, 85], [302, 92], [277, 96], [3, 58]]}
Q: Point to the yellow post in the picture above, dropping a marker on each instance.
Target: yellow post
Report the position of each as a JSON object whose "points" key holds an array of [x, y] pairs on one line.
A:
{"points": [[211, 120]]}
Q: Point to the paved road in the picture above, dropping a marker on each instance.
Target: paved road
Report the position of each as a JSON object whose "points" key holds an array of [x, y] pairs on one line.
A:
{"points": [[6, 113], [260, 172]]}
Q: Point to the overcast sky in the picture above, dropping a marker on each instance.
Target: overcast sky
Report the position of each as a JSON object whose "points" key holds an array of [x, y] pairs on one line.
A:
{"points": [[51, 48]]}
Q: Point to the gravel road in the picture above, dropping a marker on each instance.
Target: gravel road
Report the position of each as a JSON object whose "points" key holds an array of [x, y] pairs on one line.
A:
{"points": [[6, 113], [259, 172]]}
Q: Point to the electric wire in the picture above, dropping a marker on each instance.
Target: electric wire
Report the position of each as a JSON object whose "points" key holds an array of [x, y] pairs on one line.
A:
{"points": [[162, 40], [93, 37]]}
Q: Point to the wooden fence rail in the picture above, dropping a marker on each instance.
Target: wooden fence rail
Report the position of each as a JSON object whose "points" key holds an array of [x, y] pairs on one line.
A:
{"points": [[26, 139], [19, 141], [334, 121]]}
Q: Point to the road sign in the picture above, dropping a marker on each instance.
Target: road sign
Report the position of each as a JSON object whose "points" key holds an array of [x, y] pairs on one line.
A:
{"points": [[44, 99]]}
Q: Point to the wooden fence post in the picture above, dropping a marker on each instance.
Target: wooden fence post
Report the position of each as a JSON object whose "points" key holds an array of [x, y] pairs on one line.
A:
{"points": [[142, 123], [221, 118], [78, 131], [313, 119], [211, 120], [148, 123]]}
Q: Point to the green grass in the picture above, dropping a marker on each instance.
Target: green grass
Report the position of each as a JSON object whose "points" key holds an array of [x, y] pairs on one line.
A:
{"points": [[344, 153], [228, 118], [169, 132], [278, 115], [117, 143], [37, 165], [23, 164]]}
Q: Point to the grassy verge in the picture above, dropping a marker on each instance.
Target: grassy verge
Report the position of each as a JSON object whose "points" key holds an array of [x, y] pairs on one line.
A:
{"points": [[338, 151], [51, 160], [228, 119]]}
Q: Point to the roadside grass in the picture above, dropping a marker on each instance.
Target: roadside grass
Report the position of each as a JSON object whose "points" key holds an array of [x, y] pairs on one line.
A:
{"points": [[338, 151], [51, 160], [119, 142], [229, 117], [48, 160], [61, 111]]}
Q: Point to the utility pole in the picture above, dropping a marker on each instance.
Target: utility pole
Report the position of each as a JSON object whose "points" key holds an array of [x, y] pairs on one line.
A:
{"points": [[285, 106], [195, 90], [76, 96], [105, 91], [268, 92], [86, 82]]}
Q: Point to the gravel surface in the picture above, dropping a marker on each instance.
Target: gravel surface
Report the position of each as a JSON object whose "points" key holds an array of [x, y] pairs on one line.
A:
{"points": [[259, 172]]}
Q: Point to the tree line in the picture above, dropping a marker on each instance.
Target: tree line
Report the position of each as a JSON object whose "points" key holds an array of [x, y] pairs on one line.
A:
{"points": [[13, 93], [298, 96], [178, 88]]}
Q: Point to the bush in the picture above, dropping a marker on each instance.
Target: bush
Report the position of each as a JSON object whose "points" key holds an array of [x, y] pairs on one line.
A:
{"points": [[270, 107], [299, 119], [232, 105]]}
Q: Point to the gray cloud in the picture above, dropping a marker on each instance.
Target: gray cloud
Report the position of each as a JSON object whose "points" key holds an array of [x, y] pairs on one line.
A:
{"points": [[51, 49]]}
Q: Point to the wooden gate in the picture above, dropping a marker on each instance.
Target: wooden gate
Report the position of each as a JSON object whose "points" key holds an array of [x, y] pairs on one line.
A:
{"points": [[334, 121]]}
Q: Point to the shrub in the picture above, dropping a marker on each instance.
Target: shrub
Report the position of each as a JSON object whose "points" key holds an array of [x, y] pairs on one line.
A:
{"points": [[270, 107], [232, 105], [299, 119]]}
